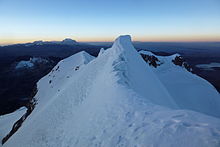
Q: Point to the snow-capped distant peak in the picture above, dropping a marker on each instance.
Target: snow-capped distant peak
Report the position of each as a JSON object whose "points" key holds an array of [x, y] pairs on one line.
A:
{"points": [[69, 41], [40, 42], [30, 63]]}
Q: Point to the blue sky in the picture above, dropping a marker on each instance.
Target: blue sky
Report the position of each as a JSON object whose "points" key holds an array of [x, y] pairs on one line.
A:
{"points": [[103, 20]]}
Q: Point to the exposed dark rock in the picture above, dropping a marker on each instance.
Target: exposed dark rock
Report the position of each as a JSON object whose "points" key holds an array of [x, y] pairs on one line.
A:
{"points": [[77, 68], [181, 62], [151, 60], [178, 60], [57, 68], [187, 66]]}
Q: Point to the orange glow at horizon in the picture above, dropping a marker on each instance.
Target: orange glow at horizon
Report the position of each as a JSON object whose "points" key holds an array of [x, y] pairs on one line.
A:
{"points": [[159, 38]]}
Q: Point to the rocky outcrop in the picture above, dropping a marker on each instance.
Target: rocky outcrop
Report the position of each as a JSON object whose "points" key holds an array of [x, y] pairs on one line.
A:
{"points": [[77, 68], [151, 60], [178, 60]]}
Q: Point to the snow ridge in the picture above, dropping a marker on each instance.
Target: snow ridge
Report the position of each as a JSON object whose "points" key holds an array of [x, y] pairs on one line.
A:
{"points": [[146, 83], [115, 99]]}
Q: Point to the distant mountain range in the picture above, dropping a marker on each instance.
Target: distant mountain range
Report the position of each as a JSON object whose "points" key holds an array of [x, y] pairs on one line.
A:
{"points": [[66, 41], [61, 49]]}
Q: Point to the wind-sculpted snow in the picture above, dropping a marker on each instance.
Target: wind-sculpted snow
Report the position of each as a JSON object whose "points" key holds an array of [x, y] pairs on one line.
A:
{"points": [[102, 50], [113, 100]]}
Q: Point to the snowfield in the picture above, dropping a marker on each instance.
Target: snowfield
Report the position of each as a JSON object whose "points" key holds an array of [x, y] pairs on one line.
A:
{"points": [[188, 90], [30, 63], [117, 99]]}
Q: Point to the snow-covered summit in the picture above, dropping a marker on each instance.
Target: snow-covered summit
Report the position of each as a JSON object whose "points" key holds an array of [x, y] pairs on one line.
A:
{"points": [[137, 74], [113, 100], [123, 43], [40, 42], [102, 50], [69, 41]]}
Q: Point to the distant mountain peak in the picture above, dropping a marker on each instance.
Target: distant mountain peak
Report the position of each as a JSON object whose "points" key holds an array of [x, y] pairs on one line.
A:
{"points": [[66, 41], [38, 42], [69, 41]]}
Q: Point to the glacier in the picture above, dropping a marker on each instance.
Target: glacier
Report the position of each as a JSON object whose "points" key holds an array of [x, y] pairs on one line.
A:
{"points": [[117, 99], [188, 90]]}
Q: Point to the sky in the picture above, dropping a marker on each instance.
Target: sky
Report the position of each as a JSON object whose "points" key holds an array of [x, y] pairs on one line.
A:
{"points": [[104, 20]]}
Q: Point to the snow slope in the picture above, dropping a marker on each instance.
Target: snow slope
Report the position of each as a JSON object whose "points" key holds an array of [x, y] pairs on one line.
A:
{"points": [[113, 100], [188, 90], [7, 121]]}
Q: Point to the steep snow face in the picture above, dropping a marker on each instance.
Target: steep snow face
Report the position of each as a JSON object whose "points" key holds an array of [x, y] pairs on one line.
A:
{"points": [[52, 84], [137, 75], [7, 121], [113, 100], [187, 90]]}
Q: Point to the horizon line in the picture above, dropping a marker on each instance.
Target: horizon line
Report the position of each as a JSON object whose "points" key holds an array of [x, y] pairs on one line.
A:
{"points": [[108, 41], [134, 41]]}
